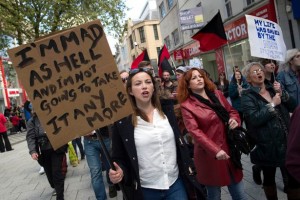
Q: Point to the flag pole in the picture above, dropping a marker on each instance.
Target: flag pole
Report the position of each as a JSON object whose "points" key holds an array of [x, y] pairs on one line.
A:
{"points": [[230, 53], [173, 65]]}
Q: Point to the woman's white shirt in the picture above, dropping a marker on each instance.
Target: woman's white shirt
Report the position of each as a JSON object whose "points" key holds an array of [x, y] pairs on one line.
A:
{"points": [[156, 152]]}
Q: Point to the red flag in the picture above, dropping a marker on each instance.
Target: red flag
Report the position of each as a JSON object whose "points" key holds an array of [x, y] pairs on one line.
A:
{"points": [[163, 63], [142, 57], [212, 35]]}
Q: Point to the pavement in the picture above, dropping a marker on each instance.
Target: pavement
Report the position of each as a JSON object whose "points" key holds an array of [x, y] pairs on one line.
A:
{"points": [[20, 180]]}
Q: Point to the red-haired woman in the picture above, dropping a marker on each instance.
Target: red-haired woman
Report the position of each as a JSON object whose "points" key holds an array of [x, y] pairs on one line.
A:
{"points": [[199, 101]]}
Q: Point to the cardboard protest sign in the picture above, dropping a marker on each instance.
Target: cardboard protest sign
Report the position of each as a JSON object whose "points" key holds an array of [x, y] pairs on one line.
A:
{"points": [[265, 38], [73, 82]]}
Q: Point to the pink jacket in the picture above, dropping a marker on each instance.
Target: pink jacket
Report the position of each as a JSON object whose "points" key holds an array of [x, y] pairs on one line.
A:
{"points": [[2, 123]]}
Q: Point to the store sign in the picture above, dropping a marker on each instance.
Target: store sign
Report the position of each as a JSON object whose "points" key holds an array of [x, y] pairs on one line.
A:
{"points": [[191, 50], [13, 92], [237, 30], [191, 18], [265, 38], [178, 54]]}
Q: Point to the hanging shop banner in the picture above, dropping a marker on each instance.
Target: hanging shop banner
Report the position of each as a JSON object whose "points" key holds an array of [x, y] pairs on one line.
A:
{"points": [[265, 38], [72, 81], [191, 18]]}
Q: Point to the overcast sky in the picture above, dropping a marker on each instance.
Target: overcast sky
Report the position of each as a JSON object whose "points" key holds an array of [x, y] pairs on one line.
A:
{"points": [[135, 9]]}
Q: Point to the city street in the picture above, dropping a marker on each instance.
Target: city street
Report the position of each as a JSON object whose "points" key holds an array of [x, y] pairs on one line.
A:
{"points": [[20, 179]]}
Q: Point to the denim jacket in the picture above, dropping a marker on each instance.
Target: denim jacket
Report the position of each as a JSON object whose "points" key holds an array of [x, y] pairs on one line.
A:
{"points": [[289, 82]]}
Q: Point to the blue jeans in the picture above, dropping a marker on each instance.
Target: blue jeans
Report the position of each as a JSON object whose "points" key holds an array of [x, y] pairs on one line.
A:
{"points": [[93, 151], [236, 191], [175, 192]]}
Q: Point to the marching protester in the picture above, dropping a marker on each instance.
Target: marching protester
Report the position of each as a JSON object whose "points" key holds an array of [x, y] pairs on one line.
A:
{"points": [[289, 77], [124, 76], [270, 74], [236, 86], [222, 84], [42, 151], [200, 102], [293, 157], [266, 110], [269, 69], [95, 158], [150, 158], [3, 135], [77, 142]]}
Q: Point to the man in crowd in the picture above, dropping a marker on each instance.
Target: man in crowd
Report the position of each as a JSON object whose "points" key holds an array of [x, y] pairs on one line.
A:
{"points": [[124, 76], [289, 78], [96, 160]]}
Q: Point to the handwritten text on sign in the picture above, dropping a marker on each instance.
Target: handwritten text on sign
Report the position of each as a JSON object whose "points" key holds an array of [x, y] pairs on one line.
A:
{"points": [[72, 81], [265, 38]]}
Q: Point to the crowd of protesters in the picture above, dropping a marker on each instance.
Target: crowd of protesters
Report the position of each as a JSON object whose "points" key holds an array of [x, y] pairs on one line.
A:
{"points": [[259, 97], [174, 145]]}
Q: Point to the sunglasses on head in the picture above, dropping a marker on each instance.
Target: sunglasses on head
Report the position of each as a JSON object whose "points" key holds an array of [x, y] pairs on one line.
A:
{"points": [[144, 69]]}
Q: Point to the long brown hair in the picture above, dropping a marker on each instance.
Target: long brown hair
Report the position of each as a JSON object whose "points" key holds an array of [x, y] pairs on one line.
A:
{"points": [[226, 82], [154, 99], [183, 91]]}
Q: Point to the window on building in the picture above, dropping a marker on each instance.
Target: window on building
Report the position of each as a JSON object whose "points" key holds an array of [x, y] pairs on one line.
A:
{"points": [[162, 10], [155, 32], [142, 34], [167, 42], [170, 4], [158, 50], [249, 2], [131, 42], [175, 36], [228, 8]]}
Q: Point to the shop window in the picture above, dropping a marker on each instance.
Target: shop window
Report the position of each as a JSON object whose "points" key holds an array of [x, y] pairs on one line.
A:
{"points": [[131, 42], [155, 32], [170, 4], [167, 42], [142, 34], [162, 10], [228, 8], [239, 55], [175, 36]]}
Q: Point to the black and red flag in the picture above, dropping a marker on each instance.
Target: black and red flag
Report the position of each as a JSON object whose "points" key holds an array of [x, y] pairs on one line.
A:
{"points": [[212, 35], [142, 57], [163, 63]]}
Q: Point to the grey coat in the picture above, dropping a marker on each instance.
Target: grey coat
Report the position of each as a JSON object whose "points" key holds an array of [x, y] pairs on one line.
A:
{"points": [[36, 135]]}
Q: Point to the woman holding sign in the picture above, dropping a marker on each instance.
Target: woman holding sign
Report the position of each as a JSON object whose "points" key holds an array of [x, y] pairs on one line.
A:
{"points": [[266, 109], [147, 148]]}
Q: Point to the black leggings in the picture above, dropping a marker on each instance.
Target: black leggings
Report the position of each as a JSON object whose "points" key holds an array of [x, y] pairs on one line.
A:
{"points": [[269, 175]]}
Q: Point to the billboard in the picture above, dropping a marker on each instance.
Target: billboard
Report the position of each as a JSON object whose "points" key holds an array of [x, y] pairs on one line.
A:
{"points": [[191, 18]]}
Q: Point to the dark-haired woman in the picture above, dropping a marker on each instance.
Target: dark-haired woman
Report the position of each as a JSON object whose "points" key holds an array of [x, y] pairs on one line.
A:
{"points": [[237, 84], [222, 84], [200, 102], [146, 146]]}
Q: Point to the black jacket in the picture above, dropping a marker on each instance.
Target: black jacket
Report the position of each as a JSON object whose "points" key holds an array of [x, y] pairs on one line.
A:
{"points": [[267, 126], [124, 153]]}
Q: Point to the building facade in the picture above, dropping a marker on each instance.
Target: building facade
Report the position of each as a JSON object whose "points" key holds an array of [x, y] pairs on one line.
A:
{"points": [[237, 51], [140, 34]]}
